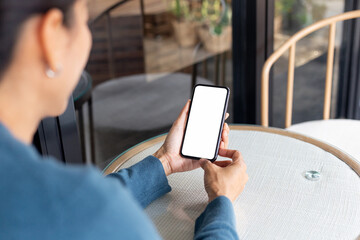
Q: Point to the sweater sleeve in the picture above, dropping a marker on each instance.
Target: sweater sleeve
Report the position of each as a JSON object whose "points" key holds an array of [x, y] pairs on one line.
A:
{"points": [[146, 180], [217, 221]]}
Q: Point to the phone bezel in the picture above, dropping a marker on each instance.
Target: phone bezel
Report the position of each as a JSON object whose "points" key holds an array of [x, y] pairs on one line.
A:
{"points": [[221, 126]]}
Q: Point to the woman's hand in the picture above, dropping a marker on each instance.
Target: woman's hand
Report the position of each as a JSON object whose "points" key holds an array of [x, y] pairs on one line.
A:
{"points": [[169, 153], [225, 178]]}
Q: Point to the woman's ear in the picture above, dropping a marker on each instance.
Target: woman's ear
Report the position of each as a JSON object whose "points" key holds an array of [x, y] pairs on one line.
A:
{"points": [[53, 38]]}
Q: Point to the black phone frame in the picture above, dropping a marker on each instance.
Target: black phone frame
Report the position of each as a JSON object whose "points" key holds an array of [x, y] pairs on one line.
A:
{"points": [[221, 126]]}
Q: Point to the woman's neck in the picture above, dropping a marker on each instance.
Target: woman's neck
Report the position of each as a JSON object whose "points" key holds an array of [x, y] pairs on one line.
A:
{"points": [[19, 110]]}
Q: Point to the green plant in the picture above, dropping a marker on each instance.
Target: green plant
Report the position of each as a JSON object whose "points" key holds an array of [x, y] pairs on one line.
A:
{"points": [[217, 15], [181, 9], [284, 6], [299, 13]]}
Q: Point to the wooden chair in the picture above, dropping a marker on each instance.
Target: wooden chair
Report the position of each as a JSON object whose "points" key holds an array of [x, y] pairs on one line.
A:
{"points": [[316, 129]]}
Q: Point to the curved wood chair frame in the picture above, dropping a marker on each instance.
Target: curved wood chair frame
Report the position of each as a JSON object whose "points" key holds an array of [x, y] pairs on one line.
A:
{"points": [[290, 45], [116, 164]]}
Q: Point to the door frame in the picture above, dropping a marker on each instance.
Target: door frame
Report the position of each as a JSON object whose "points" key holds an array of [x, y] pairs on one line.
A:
{"points": [[348, 104], [252, 44]]}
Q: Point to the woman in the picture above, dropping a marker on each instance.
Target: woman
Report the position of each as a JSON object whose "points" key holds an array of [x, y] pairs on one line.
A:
{"points": [[44, 46]]}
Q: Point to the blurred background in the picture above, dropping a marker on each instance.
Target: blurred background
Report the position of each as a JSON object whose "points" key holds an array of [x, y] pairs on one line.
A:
{"points": [[146, 57], [148, 54]]}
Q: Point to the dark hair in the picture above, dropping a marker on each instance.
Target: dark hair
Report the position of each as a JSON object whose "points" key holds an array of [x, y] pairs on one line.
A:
{"points": [[13, 13]]}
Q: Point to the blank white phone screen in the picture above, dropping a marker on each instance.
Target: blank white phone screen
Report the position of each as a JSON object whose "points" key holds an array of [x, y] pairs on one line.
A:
{"points": [[204, 122]]}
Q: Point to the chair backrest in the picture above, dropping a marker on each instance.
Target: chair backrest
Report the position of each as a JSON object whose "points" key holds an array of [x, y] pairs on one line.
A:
{"points": [[290, 45], [117, 37]]}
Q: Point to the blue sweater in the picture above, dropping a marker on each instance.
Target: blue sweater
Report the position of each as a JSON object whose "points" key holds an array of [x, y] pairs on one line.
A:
{"points": [[41, 198]]}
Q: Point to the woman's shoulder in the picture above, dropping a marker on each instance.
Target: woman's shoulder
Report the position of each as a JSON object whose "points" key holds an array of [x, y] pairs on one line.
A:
{"points": [[22, 167], [17, 158]]}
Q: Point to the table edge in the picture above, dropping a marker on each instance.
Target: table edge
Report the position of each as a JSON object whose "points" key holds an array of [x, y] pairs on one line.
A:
{"points": [[116, 164]]}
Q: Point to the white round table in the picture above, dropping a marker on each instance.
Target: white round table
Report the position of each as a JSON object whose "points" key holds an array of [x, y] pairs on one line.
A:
{"points": [[341, 133], [278, 201]]}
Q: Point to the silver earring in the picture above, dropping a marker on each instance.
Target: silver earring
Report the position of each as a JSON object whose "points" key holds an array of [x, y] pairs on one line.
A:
{"points": [[51, 73]]}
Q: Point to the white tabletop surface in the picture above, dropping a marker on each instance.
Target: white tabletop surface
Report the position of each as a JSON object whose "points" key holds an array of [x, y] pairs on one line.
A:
{"points": [[341, 133], [278, 201]]}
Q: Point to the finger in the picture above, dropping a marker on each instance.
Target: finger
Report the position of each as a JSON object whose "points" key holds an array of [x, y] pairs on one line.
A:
{"points": [[185, 109], [233, 154], [222, 144], [241, 160], [207, 165], [227, 152], [183, 114], [227, 115], [203, 163], [225, 136], [225, 131], [227, 127], [225, 141], [223, 163]]}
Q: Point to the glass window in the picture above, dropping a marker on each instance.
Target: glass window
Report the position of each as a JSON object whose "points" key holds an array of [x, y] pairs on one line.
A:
{"points": [[146, 57], [310, 63]]}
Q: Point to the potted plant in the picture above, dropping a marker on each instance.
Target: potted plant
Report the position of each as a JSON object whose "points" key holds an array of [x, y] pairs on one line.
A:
{"points": [[296, 14], [184, 27], [216, 32]]}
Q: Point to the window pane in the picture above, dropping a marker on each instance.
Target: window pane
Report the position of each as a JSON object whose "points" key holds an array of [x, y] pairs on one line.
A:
{"points": [[310, 63], [144, 58]]}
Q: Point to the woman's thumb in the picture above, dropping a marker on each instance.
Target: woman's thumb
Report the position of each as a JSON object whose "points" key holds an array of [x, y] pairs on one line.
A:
{"points": [[204, 163]]}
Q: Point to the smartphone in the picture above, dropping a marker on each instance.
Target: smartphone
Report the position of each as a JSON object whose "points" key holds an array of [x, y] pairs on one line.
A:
{"points": [[205, 122]]}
